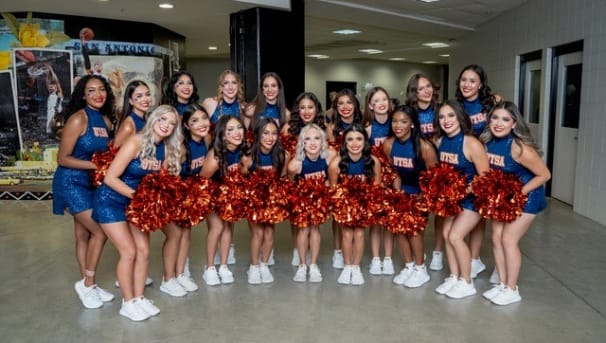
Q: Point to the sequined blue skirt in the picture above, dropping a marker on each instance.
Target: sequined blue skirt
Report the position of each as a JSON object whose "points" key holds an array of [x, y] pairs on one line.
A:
{"points": [[72, 191]]}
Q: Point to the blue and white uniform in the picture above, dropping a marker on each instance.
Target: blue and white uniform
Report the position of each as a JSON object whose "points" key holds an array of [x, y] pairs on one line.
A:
{"points": [[139, 122], [499, 157], [475, 111], [378, 131], [266, 162], [197, 155], [407, 165], [271, 111], [224, 108], [72, 188], [451, 151], [313, 169], [180, 107], [426, 119]]}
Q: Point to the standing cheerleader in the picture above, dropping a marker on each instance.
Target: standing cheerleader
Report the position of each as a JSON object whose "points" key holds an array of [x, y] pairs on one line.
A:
{"points": [[87, 118], [422, 96], [267, 156], [512, 149], [409, 154], [227, 155], [157, 146], [269, 102], [377, 122], [181, 91], [229, 98], [457, 146], [477, 99], [348, 113], [137, 102], [354, 161], [310, 162]]}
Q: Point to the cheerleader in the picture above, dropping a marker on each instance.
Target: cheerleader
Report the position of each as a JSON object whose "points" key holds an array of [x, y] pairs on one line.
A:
{"points": [[477, 99], [377, 122], [422, 96], [87, 118], [227, 155], [267, 155], [180, 91], [137, 102], [512, 149], [307, 110], [157, 145], [310, 161], [348, 113], [229, 98], [409, 153], [457, 146], [354, 160], [269, 102]]}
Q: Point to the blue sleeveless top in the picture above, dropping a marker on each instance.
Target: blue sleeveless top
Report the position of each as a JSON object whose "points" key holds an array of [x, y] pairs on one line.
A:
{"points": [[265, 162], [407, 164], [94, 139], [426, 119], [499, 157], [197, 154], [225, 108], [475, 111], [378, 131], [271, 111], [356, 168], [314, 169], [180, 107], [139, 122]]}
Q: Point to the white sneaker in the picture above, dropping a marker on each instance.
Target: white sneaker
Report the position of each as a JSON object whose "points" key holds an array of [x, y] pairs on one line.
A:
{"points": [[254, 275], [266, 276], [148, 282], [337, 260], [476, 267], [187, 283], [271, 261], [314, 273], [494, 277], [131, 310], [172, 288], [345, 277], [388, 266], [186, 271], [88, 295], [445, 286], [231, 256], [104, 295], [404, 274], [356, 276], [301, 274], [461, 290], [295, 258], [418, 278], [148, 306], [375, 266], [507, 296], [211, 277], [226, 275], [491, 293], [436, 260]]}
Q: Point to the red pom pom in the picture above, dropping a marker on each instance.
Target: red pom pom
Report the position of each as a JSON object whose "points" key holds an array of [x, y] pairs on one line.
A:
{"points": [[267, 197], [443, 187], [289, 143], [499, 195], [197, 202], [102, 160], [406, 214], [388, 173], [156, 202], [311, 202], [356, 202], [231, 197]]}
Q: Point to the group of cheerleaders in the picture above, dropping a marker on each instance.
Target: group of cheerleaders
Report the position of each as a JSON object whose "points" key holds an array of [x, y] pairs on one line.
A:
{"points": [[475, 132]]}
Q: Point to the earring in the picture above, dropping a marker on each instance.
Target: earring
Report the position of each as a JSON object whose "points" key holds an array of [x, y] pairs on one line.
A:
{"points": [[412, 126]]}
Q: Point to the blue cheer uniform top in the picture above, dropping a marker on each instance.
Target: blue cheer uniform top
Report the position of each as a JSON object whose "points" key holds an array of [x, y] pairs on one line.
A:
{"points": [[271, 111], [426, 119], [407, 165], [197, 156], [72, 188], [139, 122], [378, 131], [499, 157], [265, 162], [475, 111], [180, 107], [451, 151], [356, 168], [109, 205], [232, 159], [224, 108], [313, 169]]}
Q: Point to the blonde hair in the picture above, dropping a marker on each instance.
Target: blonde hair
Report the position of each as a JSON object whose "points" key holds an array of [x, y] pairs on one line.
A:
{"points": [[239, 94], [172, 143], [300, 150]]}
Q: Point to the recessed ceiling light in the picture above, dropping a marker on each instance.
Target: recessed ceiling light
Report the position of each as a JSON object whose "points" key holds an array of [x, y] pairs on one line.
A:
{"points": [[397, 59], [346, 32], [430, 62], [104, 0], [212, 48], [166, 5], [371, 51], [436, 45], [320, 57], [428, 1], [445, 55]]}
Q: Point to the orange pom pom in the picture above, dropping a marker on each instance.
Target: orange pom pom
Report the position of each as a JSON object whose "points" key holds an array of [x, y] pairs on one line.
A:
{"points": [[231, 197], [102, 160], [289, 143], [443, 187], [388, 173], [311, 202], [197, 203], [499, 195]]}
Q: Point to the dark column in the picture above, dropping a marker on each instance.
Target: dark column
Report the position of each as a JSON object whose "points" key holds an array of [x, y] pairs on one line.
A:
{"points": [[264, 40]]}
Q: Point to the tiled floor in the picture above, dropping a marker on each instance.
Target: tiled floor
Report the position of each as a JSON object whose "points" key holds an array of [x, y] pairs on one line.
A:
{"points": [[562, 284]]}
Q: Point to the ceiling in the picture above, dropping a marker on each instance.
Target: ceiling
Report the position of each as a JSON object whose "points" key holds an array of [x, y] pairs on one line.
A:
{"points": [[397, 27]]}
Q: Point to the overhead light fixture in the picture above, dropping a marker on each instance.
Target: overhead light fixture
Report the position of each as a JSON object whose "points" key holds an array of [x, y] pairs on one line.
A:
{"points": [[436, 45], [371, 51], [430, 62], [347, 32], [445, 55], [212, 48], [317, 56], [104, 0], [397, 59], [428, 1], [166, 6]]}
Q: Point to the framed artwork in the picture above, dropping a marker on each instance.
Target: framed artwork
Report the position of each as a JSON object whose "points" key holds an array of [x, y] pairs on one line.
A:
{"points": [[9, 129]]}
